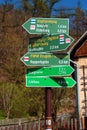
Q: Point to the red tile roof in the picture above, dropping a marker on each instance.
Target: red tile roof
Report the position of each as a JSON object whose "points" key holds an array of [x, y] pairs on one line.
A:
{"points": [[82, 51], [79, 49]]}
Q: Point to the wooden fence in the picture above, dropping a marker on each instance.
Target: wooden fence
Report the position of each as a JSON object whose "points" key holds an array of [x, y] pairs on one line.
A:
{"points": [[61, 124]]}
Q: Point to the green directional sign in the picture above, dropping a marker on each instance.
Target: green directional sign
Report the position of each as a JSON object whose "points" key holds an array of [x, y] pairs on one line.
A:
{"points": [[46, 43], [49, 82], [62, 70], [47, 25], [45, 59]]}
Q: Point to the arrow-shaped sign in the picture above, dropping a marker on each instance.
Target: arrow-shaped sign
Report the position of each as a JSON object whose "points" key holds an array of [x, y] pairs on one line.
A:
{"points": [[46, 43], [61, 70], [46, 25], [49, 82], [45, 59]]}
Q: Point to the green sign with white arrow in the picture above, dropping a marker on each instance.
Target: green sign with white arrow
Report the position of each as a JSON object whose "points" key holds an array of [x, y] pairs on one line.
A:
{"points": [[46, 43], [45, 59], [62, 70], [47, 25], [67, 82]]}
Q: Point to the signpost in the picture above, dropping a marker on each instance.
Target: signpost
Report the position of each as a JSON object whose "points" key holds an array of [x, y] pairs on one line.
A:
{"points": [[45, 59], [47, 26], [55, 66], [53, 71], [32, 81], [46, 43]]}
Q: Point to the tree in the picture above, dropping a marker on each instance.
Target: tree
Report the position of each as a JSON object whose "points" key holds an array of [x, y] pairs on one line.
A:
{"points": [[12, 46], [79, 22], [36, 101], [39, 8], [58, 94], [50, 5], [7, 93], [20, 104], [63, 101]]}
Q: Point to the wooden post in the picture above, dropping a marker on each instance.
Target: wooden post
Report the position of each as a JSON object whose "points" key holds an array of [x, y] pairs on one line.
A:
{"points": [[48, 109]]}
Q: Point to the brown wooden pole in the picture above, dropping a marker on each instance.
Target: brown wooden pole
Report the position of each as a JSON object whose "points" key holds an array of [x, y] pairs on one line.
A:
{"points": [[85, 123], [48, 109]]}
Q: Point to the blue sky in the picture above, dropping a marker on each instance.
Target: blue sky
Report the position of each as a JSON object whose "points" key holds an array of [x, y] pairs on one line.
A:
{"points": [[72, 4], [62, 3]]}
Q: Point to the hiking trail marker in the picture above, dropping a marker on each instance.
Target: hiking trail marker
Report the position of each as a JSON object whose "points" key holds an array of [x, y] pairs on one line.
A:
{"points": [[47, 25], [54, 71], [50, 43], [45, 59], [67, 82]]}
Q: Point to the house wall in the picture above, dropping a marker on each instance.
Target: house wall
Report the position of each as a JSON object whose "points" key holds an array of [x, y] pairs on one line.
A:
{"points": [[82, 83]]}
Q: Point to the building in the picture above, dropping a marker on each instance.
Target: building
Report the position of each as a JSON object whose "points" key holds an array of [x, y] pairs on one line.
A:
{"points": [[78, 54]]}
